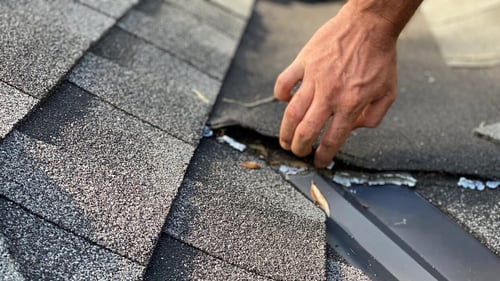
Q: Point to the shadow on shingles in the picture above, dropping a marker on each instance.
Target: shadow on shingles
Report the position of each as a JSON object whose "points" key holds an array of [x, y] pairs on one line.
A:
{"points": [[48, 130]]}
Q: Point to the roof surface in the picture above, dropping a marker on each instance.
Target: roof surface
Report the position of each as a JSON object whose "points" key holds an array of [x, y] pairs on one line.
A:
{"points": [[103, 170]]}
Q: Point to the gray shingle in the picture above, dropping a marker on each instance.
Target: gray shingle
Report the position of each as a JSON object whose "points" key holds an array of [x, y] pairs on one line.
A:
{"points": [[476, 211], [251, 218], [243, 8], [166, 103], [182, 34], [338, 269], [14, 105], [114, 8], [134, 53], [41, 40], [213, 15], [174, 260], [39, 250], [94, 170]]}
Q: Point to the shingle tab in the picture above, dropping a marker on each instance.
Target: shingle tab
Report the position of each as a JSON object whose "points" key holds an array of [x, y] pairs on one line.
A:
{"points": [[213, 15], [171, 105], [182, 34], [94, 170], [14, 105], [251, 218], [38, 250], [114, 8], [174, 260], [41, 40]]}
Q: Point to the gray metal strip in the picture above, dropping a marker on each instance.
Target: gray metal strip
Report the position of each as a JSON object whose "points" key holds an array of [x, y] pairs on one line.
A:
{"points": [[398, 250]]}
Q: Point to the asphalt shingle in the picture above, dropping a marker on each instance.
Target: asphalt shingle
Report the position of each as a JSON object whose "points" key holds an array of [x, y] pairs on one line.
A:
{"points": [[33, 249], [114, 8], [476, 211], [240, 7], [41, 40], [174, 260], [14, 105], [166, 103], [94, 170], [251, 218], [213, 15], [338, 269], [182, 34]]}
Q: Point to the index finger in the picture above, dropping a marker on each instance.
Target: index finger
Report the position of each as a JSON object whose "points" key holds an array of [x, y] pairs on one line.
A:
{"points": [[287, 80], [334, 137]]}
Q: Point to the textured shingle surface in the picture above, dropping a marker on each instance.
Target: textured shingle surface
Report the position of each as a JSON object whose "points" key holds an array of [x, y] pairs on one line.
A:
{"points": [[33, 249], [41, 40], [476, 211], [149, 83], [174, 260], [240, 7], [13, 106], [213, 15], [251, 218], [95, 170], [183, 34], [114, 8]]}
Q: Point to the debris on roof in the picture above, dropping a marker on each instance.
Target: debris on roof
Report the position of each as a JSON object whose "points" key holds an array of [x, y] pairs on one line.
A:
{"points": [[373, 179]]}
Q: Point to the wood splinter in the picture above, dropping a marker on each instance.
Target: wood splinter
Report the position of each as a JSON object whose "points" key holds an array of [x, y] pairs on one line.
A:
{"points": [[319, 200]]}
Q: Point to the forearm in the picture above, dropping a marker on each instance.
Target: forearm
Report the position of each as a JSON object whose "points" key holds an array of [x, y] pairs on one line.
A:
{"points": [[396, 13]]}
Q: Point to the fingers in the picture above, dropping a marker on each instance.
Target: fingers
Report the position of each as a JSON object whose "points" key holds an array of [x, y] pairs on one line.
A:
{"points": [[287, 80], [310, 127], [294, 113], [334, 137], [372, 115]]}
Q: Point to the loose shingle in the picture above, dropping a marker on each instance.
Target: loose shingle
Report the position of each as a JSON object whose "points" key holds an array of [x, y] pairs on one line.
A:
{"points": [[41, 40], [213, 15], [94, 170], [251, 218], [172, 106], [14, 105], [182, 34], [38, 250], [174, 260], [114, 8]]}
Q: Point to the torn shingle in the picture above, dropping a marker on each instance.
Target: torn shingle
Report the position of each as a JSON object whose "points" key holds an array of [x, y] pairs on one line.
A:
{"points": [[172, 106], [183, 35], [41, 40], [251, 218], [38, 250], [14, 105], [213, 15], [94, 170], [113, 8], [174, 260]]}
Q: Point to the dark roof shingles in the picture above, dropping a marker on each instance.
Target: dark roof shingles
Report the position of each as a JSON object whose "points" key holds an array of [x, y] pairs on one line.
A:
{"points": [[95, 170], [41, 40], [14, 105], [34, 249], [182, 34], [251, 218], [174, 260]]}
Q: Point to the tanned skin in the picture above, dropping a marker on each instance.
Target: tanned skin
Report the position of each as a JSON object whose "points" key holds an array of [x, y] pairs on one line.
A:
{"points": [[348, 72]]}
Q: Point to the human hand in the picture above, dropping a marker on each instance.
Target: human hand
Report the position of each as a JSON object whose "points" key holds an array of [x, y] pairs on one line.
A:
{"points": [[347, 72]]}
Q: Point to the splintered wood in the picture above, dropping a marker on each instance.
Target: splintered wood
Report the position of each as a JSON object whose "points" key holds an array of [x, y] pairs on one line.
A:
{"points": [[319, 200]]}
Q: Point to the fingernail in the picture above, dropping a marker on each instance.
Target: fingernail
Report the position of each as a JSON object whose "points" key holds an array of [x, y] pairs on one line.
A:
{"points": [[285, 145]]}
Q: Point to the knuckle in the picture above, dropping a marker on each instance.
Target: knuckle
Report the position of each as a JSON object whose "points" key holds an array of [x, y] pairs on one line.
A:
{"points": [[371, 123], [328, 143], [292, 112]]}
